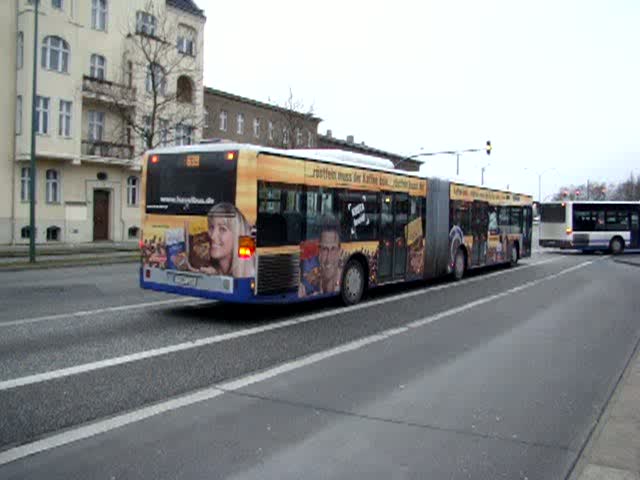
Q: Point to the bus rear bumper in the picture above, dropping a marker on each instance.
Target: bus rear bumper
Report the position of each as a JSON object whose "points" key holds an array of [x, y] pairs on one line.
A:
{"points": [[242, 292], [556, 244]]}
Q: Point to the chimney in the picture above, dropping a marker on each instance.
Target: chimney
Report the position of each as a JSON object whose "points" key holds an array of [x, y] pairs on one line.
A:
{"points": [[329, 133], [349, 138]]}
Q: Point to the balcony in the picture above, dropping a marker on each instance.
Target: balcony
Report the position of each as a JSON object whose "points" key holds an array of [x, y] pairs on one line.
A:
{"points": [[105, 91], [107, 151]]}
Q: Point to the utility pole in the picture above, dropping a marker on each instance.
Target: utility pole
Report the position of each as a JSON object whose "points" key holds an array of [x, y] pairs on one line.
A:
{"points": [[482, 175], [539, 188], [32, 170]]}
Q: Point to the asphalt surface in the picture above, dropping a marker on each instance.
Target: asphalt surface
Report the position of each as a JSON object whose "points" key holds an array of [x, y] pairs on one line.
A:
{"points": [[502, 375]]}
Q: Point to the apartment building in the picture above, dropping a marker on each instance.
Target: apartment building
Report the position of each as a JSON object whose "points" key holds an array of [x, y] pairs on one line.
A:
{"points": [[101, 101], [241, 119]]}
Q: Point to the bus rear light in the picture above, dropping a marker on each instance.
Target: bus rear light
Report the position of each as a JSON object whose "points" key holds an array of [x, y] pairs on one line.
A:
{"points": [[246, 247], [154, 159], [231, 155], [569, 230]]}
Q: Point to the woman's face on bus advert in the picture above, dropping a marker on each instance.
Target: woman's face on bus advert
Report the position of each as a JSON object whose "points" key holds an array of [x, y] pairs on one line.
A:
{"points": [[221, 239]]}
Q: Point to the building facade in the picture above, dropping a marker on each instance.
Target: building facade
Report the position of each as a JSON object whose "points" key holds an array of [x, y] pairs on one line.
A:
{"points": [[239, 119], [400, 162], [99, 106]]}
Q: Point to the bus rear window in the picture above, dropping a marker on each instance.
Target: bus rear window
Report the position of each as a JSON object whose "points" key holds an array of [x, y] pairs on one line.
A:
{"points": [[189, 183], [552, 213]]}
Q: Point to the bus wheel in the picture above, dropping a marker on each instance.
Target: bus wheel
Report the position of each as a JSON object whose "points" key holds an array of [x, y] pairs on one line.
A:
{"points": [[459, 265], [352, 286], [513, 261], [616, 246]]}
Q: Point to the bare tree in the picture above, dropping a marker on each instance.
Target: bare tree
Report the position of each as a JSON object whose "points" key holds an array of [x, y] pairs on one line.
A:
{"points": [[291, 123], [596, 190], [158, 89]]}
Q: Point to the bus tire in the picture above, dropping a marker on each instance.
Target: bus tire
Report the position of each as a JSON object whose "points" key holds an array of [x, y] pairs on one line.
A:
{"points": [[459, 264], [616, 246], [513, 255], [353, 283]]}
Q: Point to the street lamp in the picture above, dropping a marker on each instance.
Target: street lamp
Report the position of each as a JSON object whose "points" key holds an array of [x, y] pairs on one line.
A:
{"points": [[487, 149], [32, 173], [482, 169], [540, 179]]}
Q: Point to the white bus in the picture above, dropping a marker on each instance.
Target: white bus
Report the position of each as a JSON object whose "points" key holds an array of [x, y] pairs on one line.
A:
{"points": [[611, 226]]}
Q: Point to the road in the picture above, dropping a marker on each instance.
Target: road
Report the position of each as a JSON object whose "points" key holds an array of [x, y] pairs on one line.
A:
{"points": [[502, 375]]}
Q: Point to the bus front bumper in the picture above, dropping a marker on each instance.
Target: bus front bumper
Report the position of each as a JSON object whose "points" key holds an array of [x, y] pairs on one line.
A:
{"points": [[556, 243]]}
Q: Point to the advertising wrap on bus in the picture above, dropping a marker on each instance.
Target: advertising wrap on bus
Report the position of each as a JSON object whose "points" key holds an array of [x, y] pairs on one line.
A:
{"points": [[192, 226]]}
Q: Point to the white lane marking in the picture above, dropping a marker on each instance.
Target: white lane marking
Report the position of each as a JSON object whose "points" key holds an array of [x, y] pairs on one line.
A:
{"points": [[103, 426], [156, 352], [87, 313]]}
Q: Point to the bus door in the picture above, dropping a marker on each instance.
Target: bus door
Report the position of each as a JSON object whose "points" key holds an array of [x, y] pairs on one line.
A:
{"points": [[480, 231], [526, 231], [635, 228], [394, 213]]}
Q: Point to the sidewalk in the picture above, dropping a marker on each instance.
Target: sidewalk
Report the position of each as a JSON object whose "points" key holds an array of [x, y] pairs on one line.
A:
{"points": [[613, 452], [16, 257]]}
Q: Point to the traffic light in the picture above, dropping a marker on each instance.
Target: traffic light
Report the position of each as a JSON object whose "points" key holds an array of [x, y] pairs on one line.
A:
{"points": [[577, 193], [565, 193], [488, 147]]}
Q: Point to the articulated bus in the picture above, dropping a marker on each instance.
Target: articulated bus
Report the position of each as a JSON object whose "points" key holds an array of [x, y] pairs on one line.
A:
{"points": [[241, 223], [608, 226]]}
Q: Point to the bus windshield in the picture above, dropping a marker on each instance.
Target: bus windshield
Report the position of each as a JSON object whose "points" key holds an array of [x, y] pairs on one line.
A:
{"points": [[189, 183], [552, 213]]}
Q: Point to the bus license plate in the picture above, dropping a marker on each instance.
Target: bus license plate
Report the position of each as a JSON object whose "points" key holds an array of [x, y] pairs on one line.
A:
{"points": [[185, 280]]}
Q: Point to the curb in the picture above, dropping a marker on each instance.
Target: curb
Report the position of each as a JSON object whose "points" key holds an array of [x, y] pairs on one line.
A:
{"points": [[48, 264], [585, 453], [78, 251]]}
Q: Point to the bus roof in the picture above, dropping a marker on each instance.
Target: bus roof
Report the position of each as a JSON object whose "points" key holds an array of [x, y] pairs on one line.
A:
{"points": [[334, 156]]}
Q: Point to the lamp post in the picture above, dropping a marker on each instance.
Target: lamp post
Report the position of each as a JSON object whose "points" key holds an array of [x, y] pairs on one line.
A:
{"points": [[540, 180], [32, 170], [487, 148]]}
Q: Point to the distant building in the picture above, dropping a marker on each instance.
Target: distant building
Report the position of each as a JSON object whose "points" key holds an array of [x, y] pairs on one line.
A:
{"points": [[88, 157], [239, 119], [401, 162]]}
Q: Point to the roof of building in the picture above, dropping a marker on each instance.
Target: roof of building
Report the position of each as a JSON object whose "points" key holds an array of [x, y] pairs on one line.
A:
{"points": [[256, 103], [188, 6], [363, 148]]}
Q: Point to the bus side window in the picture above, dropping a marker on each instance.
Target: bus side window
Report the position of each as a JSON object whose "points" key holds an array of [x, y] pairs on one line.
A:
{"points": [[516, 220], [504, 220], [493, 221]]}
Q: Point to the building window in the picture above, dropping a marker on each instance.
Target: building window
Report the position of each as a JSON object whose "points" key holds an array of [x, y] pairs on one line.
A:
{"points": [[64, 120], [145, 136], [133, 232], [186, 40], [53, 186], [145, 24], [240, 124], [132, 191], [223, 121], [96, 126], [206, 118], [53, 234], [163, 123], [98, 67], [19, 115], [298, 137], [99, 14], [309, 140], [55, 54], [20, 51], [25, 184], [156, 79], [184, 134], [56, 4], [285, 136], [256, 127], [270, 130], [129, 74], [42, 115], [184, 92], [25, 232]]}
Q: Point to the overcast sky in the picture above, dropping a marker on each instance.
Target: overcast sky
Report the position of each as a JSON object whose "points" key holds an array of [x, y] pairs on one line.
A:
{"points": [[552, 83]]}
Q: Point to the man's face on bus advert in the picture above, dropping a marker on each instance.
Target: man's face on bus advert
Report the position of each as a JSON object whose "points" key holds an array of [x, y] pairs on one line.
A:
{"points": [[329, 254], [221, 239]]}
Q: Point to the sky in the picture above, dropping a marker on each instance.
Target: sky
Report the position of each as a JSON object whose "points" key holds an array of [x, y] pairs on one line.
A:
{"points": [[554, 84]]}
